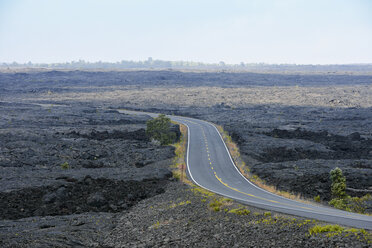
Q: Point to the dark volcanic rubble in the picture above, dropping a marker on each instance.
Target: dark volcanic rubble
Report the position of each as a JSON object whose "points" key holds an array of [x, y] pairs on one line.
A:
{"points": [[74, 172]]}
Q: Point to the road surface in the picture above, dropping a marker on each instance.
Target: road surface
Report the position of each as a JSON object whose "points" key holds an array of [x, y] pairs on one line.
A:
{"points": [[210, 166]]}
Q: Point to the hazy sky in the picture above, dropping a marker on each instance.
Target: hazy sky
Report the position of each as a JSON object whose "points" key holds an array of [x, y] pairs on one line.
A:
{"points": [[270, 31]]}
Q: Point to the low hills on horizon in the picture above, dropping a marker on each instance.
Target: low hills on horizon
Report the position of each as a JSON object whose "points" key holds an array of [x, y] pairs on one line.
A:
{"points": [[151, 64]]}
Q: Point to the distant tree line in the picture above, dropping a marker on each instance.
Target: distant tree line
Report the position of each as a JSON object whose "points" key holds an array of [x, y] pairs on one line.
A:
{"points": [[164, 64]]}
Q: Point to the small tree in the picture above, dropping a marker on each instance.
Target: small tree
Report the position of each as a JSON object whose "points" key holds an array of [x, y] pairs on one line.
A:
{"points": [[159, 129], [341, 200], [338, 187]]}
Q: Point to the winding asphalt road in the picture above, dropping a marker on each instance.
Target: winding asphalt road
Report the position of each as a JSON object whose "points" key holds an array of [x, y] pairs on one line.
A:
{"points": [[210, 166]]}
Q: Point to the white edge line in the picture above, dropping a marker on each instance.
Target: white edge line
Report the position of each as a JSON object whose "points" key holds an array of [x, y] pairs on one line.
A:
{"points": [[306, 204], [236, 167], [253, 202], [192, 178], [245, 200]]}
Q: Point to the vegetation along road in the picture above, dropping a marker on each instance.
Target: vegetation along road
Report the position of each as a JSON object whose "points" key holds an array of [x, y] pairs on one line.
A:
{"points": [[210, 166]]}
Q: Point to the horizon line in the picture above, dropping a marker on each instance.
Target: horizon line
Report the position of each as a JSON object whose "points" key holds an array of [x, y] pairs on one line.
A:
{"points": [[150, 61]]}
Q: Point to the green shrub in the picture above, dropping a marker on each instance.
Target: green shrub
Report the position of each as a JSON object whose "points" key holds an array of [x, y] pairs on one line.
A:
{"points": [[216, 209], [215, 203], [65, 166], [358, 204], [340, 204], [351, 204], [340, 199], [327, 228], [156, 225], [159, 129], [176, 174], [333, 230], [317, 198], [240, 211]]}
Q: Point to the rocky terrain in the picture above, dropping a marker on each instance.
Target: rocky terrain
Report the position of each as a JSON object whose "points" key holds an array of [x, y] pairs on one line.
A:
{"points": [[179, 217], [184, 217], [76, 172], [63, 163]]}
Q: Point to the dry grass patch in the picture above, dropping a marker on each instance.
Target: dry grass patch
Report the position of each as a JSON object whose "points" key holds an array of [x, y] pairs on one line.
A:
{"points": [[179, 164]]}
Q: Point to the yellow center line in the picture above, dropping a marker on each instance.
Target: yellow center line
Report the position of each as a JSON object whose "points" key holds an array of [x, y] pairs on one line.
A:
{"points": [[219, 179], [261, 198], [306, 208]]}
